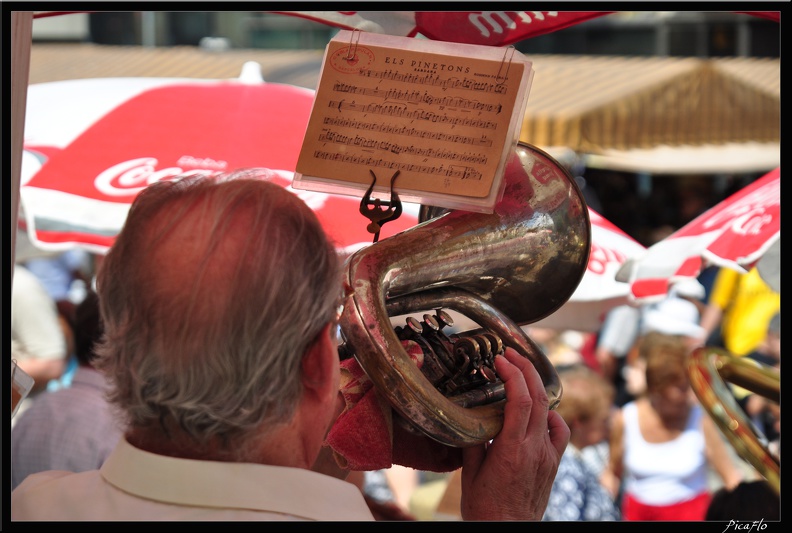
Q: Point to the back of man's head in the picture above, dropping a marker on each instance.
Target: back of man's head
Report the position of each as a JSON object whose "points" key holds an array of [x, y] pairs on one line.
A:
{"points": [[210, 295]]}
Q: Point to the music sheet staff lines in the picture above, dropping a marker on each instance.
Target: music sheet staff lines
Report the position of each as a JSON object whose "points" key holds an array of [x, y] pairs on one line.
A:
{"points": [[402, 111], [419, 97], [434, 80], [401, 149], [408, 131], [447, 171], [445, 115]]}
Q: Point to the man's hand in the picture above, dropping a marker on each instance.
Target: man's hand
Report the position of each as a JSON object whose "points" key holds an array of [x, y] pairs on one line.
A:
{"points": [[510, 478]]}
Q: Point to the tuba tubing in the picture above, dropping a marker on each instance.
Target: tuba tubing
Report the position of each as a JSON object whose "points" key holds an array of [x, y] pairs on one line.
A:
{"points": [[708, 367], [490, 319], [510, 268]]}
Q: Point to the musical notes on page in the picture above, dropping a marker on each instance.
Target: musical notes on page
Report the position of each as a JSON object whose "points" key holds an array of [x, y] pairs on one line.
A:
{"points": [[446, 116]]}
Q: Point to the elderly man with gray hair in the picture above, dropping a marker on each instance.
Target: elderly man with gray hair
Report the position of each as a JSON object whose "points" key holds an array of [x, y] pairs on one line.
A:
{"points": [[220, 299]]}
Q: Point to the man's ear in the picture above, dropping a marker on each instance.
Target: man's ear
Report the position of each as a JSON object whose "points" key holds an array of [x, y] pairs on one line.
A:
{"points": [[320, 363]]}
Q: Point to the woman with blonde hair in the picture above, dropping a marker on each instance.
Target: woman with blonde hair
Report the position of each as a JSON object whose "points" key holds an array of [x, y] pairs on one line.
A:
{"points": [[663, 444]]}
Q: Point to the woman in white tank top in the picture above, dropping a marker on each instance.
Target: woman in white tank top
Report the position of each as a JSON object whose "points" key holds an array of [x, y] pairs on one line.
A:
{"points": [[662, 444]]}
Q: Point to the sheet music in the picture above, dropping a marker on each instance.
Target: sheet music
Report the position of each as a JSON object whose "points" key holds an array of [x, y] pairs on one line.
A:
{"points": [[445, 116]]}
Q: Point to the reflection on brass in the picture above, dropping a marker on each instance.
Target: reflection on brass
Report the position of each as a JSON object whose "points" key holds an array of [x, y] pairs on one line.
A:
{"points": [[501, 270], [708, 368]]}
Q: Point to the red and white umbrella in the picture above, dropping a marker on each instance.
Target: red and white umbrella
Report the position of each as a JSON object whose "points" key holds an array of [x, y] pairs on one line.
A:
{"points": [[492, 28], [91, 145], [85, 162], [734, 234]]}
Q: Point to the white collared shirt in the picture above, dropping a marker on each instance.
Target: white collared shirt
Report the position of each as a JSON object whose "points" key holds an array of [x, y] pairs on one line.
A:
{"points": [[137, 485]]}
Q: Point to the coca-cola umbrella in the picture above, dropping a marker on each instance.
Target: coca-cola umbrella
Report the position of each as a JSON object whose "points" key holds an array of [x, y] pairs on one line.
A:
{"points": [[490, 27], [85, 162], [735, 234], [91, 145], [493, 28]]}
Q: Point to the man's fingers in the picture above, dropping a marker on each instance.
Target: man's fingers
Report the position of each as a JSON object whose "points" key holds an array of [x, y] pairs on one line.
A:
{"points": [[559, 431], [517, 411], [532, 377], [536, 391]]}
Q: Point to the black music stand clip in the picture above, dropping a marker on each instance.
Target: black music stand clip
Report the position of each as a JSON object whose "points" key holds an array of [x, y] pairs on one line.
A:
{"points": [[380, 211]]}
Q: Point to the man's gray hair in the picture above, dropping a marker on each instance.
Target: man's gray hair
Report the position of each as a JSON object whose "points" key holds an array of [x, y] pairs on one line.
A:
{"points": [[210, 296]]}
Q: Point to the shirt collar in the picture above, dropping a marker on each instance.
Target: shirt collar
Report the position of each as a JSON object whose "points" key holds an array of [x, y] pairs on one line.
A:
{"points": [[291, 491]]}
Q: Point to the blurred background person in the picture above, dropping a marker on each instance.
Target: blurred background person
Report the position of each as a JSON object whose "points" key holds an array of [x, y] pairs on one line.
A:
{"points": [[663, 445], [619, 333], [616, 339], [577, 494], [38, 343], [663, 325], [624, 325], [622, 333], [739, 310], [380, 495], [65, 275], [66, 318], [74, 428], [561, 347], [635, 371]]}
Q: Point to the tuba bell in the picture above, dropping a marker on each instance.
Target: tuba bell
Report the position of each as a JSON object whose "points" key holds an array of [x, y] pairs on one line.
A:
{"points": [[498, 271]]}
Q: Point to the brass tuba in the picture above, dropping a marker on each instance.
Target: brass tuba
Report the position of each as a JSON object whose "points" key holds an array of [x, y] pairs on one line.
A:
{"points": [[500, 271], [709, 369]]}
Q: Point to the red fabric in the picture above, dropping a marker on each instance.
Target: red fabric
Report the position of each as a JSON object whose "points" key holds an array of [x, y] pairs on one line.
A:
{"points": [[364, 436], [690, 510], [492, 28], [589, 352], [496, 28]]}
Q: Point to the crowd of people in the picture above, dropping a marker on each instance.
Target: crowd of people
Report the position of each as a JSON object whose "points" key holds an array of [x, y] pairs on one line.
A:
{"points": [[199, 380]]}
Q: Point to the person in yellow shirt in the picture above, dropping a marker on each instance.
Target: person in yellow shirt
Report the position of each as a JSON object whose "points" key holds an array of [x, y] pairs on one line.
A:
{"points": [[739, 311]]}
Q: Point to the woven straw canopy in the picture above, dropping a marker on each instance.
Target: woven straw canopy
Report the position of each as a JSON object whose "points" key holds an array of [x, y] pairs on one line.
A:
{"points": [[596, 103]]}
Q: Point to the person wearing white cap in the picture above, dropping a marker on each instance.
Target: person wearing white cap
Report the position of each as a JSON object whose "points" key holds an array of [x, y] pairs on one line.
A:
{"points": [[673, 316], [624, 325], [691, 290]]}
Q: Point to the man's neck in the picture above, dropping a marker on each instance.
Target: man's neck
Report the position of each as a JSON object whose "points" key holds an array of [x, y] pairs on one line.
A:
{"points": [[272, 448], [179, 444]]}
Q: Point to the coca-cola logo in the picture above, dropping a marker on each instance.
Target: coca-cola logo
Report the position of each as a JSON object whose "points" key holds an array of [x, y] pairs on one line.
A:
{"points": [[752, 223], [489, 22], [131, 177], [600, 258], [750, 214]]}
